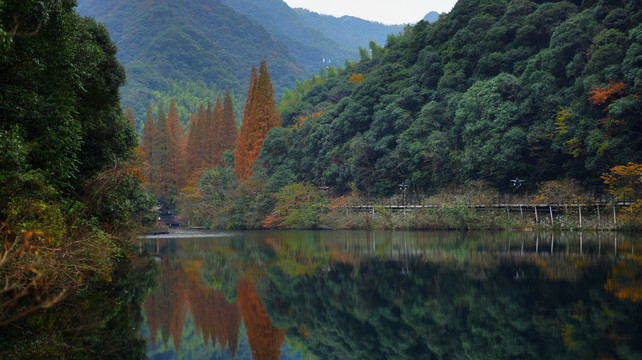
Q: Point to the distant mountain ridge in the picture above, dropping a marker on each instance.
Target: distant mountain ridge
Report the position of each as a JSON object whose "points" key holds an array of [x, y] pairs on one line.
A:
{"points": [[307, 43], [199, 44], [431, 17], [349, 31]]}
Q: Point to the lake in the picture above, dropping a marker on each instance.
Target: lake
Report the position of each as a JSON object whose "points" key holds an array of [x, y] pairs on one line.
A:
{"points": [[394, 295]]}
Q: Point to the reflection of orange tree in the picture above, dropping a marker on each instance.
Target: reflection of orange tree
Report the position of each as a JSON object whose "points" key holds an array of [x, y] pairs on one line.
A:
{"points": [[625, 281], [265, 339], [179, 290]]}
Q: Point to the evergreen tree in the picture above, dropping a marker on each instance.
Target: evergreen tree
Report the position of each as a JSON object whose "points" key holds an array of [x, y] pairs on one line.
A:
{"points": [[129, 115], [259, 117]]}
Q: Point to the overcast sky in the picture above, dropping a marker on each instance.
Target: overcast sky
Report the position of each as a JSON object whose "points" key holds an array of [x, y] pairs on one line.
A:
{"points": [[384, 11]]}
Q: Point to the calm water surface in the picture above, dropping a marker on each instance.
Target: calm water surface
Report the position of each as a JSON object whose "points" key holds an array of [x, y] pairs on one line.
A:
{"points": [[395, 295]]}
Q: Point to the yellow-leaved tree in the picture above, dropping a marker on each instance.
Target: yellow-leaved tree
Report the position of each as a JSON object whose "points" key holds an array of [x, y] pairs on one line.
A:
{"points": [[625, 183]]}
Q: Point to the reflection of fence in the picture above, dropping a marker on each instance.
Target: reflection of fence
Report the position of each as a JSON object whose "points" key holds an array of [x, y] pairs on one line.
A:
{"points": [[592, 244]]}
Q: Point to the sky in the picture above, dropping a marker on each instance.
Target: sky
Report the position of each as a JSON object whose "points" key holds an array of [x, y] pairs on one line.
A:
{"points": [[384, 11]]}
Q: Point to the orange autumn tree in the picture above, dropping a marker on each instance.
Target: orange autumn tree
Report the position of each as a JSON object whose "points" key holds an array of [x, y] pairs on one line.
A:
{"points": [[259, 116], [624, 181], [599, 96], [264, 338]]}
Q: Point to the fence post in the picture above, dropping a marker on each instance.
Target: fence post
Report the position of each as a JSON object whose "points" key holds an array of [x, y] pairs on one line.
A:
{"points": [[550, 210], [536, 219], [614, 216]]}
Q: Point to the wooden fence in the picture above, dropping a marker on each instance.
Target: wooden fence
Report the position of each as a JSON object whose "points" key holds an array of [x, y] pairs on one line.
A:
{"points": [[601, 205]]}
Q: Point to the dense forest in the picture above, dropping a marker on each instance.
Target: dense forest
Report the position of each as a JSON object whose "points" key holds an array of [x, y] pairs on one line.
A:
{"points": [[546, 92], [72, 195], [540, 90]]}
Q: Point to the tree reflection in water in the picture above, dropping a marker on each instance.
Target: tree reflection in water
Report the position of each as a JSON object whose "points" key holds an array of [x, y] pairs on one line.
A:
{"points": [[398, 295]]}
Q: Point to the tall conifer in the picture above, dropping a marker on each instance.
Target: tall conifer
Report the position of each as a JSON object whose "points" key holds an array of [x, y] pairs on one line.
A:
{"points": [[259, 117], [161, 155], [175, 170], [191, 154], [217, 125], [228, 132], [200, 140], [149, 130], [209, 135]]}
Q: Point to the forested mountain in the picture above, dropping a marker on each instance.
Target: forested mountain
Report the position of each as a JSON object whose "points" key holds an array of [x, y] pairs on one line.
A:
{"points": [[193, 50], [494, 90], [196, 44], [305, 42], [349, 31]]}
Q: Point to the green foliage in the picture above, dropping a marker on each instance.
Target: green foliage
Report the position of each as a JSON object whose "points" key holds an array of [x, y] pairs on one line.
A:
{"points": [[71, 196], [493, 90], [298, 206]]}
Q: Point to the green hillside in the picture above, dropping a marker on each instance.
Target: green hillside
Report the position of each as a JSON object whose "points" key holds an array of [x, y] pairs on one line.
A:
{"points": [[307, 44], [165, 44], [349, 31], [496, 89]]}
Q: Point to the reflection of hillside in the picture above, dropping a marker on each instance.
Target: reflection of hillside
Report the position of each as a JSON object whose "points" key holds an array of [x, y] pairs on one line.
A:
{"points": [[437, 311], [179, 290], [557, 256], [343, 295]]}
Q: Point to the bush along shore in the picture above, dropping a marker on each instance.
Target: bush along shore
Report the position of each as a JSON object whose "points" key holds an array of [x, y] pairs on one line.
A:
{"points": [[474, 206]]}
